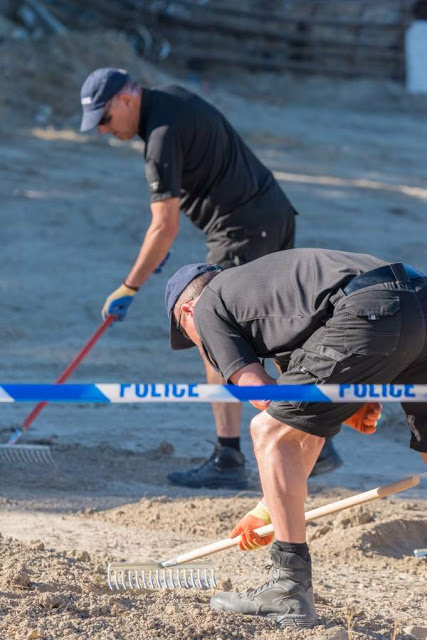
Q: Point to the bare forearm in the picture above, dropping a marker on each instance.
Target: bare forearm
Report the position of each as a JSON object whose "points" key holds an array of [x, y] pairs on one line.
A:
{"points": [[154, 249], [253, 375]]}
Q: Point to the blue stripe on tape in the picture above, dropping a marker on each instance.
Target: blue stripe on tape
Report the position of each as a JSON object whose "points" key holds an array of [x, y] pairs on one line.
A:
{"points": [[288, 393], [176, 392], [55, 393]]}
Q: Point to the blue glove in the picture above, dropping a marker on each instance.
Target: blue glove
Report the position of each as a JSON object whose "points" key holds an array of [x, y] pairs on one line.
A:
{"points": [[118, 302]]}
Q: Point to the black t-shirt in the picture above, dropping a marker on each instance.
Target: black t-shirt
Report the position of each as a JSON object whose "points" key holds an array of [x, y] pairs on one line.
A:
{"points": [[270, 306], [192, 152]]}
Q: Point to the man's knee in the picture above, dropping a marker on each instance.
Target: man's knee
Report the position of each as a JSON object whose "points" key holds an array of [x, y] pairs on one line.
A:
{"points": [[313, 443], [267, 432]]}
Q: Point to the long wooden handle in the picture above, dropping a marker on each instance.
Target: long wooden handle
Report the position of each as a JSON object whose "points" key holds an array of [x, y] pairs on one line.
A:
{"points": [[313, 514]]}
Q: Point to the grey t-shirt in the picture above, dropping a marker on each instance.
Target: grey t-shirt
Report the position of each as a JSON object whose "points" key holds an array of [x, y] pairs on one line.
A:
{"points": [[272, 305]]}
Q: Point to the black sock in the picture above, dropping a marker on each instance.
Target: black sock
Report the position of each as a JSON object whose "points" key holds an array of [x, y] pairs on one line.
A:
{"points": [[234, 443], [300, 548]]}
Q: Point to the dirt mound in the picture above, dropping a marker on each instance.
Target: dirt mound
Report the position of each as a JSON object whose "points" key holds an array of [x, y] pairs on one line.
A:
{"points": [[201, 516], [396, 538], [64, 596], [49, 593], [390, 529]]}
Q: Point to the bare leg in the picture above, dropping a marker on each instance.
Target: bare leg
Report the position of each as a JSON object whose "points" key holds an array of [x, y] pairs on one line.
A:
{"points": [[285, 457], [227, 416], [311, 448]]}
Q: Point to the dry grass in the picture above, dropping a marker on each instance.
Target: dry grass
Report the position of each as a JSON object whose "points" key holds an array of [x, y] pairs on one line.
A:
{"points": [[395, 630], [351, 615]]}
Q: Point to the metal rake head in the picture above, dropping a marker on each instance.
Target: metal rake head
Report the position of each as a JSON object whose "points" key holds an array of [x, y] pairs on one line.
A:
{"points": [[155, 576], [27, 453]]}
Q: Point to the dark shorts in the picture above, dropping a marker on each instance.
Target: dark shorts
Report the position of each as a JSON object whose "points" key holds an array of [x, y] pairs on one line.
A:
{"points": [[375, 335], [262, 226]]}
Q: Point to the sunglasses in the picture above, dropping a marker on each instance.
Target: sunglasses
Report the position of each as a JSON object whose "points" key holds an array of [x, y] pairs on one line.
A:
{"points": [[106, 116]]}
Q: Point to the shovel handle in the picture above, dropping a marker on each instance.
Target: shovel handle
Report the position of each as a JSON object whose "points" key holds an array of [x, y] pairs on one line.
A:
{"points": [[313, 514], [70, 369]]}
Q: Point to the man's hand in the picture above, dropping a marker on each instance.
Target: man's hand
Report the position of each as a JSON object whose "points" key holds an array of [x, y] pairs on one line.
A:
{"points": [[254, 519], [365, 419], [118, 302], [261, 405]]}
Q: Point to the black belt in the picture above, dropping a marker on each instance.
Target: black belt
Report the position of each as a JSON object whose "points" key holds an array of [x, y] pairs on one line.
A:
{"points": [[398, 272]]}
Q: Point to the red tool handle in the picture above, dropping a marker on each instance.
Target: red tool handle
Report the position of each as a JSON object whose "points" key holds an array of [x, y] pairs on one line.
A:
{"points": [[70, 368]]}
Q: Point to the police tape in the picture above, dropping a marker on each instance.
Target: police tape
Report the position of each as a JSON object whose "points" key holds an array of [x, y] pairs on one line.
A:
{"points": [[177, 392]]}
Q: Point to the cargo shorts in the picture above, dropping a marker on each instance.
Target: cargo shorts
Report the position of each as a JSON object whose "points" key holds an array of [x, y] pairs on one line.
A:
{"points": [[375, 335], [261, 226]]}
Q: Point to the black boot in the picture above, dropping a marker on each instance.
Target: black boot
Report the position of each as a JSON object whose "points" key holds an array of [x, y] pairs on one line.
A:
{"points": [[225, 469], [287, 597], [328, 459]]}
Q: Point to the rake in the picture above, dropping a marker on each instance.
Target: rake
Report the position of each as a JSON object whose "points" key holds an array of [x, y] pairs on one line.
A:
{"points": [[41, 454], [177, 573]]}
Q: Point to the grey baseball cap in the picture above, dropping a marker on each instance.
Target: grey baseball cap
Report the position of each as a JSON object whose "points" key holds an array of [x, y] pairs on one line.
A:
{"points": [[175, 286], [99, 87]]}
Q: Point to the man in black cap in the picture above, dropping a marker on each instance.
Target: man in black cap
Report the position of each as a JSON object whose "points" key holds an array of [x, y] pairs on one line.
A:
{"points": [[195, 161], [326, 317]]}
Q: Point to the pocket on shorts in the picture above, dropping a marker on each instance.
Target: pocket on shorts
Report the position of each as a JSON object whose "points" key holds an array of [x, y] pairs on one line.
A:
{"points": [[373, 323], [307, 367], [317, 365]]}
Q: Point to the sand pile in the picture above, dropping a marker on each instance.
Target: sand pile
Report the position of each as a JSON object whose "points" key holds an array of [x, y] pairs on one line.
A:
{"points": [[195, 516], [395, 538], [358, 574]]}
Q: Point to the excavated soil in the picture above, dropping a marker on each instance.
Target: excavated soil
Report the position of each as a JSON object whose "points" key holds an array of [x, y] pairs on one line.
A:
{"points": [[364, 574]]}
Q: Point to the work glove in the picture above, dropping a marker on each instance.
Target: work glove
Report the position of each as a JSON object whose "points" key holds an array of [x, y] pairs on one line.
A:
{"points": [[261, 405], [118, 302], [254, 519], [365, 419]]}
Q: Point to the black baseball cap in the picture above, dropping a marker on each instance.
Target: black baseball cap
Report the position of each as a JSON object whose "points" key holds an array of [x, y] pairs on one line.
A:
{"points": [[98, 88], [175, 286]]}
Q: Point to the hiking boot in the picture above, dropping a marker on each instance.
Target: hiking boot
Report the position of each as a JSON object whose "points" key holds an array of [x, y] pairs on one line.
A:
{"points": [[225, 469], [328, 459], [287, 597]]}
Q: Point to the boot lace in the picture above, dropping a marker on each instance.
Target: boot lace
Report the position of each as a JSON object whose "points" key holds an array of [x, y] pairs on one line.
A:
{"points": [[204, 464], [263, 587]]}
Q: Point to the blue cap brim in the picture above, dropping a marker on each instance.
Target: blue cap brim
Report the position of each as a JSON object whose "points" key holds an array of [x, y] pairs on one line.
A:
{"points": [[177, 340], [91, 118]]}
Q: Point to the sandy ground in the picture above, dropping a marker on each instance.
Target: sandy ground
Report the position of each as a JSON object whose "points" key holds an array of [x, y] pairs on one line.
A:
{"points": [[351, 157]]}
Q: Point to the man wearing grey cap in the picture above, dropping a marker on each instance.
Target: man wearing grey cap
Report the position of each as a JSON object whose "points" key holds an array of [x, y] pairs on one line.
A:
{"points": [[194, 162]]}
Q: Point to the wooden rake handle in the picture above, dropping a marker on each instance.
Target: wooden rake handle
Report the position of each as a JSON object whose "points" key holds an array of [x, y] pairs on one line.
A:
{"points": [[313, 514]]}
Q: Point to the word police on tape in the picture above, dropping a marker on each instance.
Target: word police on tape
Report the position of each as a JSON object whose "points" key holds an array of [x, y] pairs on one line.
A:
{"points": [[180, 392]]}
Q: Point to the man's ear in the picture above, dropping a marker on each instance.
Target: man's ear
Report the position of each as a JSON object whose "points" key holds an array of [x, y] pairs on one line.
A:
{"points": [[188, 307]]}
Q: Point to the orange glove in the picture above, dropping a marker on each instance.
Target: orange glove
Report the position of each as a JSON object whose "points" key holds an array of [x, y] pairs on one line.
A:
{"points": [[261, 405], [254, 519], [365, 419]]}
